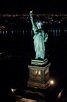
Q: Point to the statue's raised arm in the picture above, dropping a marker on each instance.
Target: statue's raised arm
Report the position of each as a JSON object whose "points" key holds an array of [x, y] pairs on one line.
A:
{"points": [[34, 28], [31, 17]]}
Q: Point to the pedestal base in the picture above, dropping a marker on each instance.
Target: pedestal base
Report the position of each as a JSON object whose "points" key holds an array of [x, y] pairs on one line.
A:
{"points": [[39, 74], [39, 85]]}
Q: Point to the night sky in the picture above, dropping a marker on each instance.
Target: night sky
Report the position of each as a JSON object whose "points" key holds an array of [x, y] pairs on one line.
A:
{"points": [[39, 6]]}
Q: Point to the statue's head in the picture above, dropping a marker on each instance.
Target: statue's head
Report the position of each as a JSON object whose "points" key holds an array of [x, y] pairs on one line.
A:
{"points": [[39, 24]]}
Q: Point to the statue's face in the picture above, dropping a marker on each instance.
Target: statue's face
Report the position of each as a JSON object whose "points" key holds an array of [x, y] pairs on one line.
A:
{"points": [[39, 25]]}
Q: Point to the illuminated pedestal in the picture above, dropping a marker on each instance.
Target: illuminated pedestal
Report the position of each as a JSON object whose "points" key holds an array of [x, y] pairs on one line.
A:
{"points": [[39, 74]]}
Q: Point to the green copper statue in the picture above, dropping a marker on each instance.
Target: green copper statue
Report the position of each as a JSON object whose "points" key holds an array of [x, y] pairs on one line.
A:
{"points": [[40, 37]]}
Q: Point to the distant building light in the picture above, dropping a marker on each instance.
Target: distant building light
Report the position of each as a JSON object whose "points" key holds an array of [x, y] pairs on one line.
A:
{"points": [[1, 27], [6, 31], [0, 53], [59, 22], [23, 31], [3, 32], [0, 32], [12, 31]]}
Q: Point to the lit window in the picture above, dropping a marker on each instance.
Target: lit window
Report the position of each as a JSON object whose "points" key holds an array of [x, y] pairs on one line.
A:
{"points": [[46, 71], [39, 72], [36, 72]]}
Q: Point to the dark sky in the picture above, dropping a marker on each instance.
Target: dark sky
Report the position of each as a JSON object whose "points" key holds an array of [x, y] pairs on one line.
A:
{"points": [[37, 5]]}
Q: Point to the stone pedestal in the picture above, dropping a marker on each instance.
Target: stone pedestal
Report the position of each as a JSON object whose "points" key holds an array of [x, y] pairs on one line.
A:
{"points": [[39, 74]]}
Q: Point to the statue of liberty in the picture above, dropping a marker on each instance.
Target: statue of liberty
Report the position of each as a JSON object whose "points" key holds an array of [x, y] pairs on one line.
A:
{"points": [[40, 37]]}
